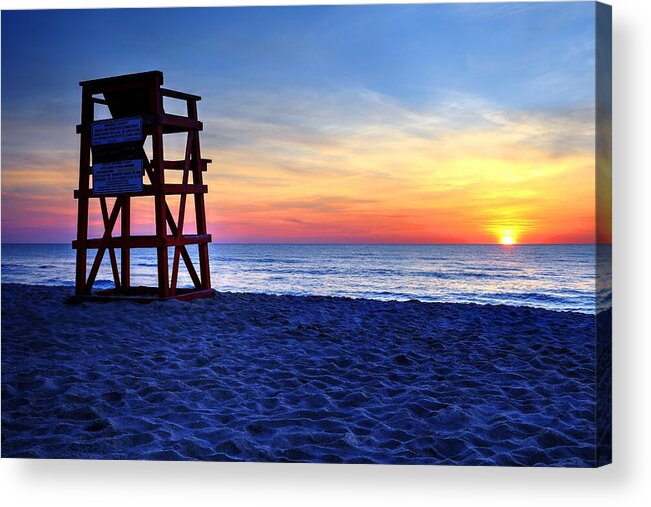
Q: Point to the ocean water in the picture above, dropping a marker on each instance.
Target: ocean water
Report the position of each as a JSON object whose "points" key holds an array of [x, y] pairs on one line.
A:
{"points": [[555, 277]]}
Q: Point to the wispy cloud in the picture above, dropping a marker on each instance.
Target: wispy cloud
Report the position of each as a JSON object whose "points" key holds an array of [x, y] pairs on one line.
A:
{"points": [[356, 157], [353, 165]]}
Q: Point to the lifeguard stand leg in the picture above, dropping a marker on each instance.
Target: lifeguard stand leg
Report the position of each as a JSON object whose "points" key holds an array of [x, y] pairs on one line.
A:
{"points": [[87, 115], [199, 201], [161, 210], [125, 252]]}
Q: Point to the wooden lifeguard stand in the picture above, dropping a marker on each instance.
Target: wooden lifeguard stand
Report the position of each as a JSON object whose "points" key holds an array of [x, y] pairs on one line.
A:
{"points": [[119, 165]]}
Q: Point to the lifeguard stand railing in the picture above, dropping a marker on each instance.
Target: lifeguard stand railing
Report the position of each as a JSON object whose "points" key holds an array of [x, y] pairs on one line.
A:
{"points": [[115, 177]]}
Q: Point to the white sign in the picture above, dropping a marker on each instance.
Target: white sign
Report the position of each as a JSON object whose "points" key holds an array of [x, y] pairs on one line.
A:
{"points": [[116, 131], [117, 177]]}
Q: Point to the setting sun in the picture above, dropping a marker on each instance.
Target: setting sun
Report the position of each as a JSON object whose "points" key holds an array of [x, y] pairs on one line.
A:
{"points": [[507, 239]]}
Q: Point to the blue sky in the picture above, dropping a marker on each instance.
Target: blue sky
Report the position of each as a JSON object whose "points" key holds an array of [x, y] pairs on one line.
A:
{"points": [[501, 51], [316, 72]]}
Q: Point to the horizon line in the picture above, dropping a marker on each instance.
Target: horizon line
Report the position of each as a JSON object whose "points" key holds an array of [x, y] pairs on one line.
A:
{"points": [[325, 243]]}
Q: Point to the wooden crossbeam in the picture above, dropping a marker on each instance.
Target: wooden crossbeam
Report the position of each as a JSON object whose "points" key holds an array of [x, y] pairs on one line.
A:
{"points": [[175, 270], [155, 190], [93, 271], [171, 123], [181, 220], [179, 165], [166, 92], [108, 231], [186, 176], [184, 251], [142, 241], [149, 170], [114, 262]]}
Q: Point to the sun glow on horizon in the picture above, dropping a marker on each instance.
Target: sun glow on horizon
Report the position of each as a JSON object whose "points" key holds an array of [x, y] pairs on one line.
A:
{"points": [[507, 239]]}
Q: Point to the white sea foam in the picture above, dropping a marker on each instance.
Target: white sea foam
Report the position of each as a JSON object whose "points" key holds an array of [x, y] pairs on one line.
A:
{"points": [[555, 277]]}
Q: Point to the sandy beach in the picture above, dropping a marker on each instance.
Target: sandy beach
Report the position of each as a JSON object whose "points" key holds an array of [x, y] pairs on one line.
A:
{"points": [[254, 377]]}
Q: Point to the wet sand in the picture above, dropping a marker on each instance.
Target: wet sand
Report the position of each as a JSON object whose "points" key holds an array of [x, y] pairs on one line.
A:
{"points": [[255, 377]]}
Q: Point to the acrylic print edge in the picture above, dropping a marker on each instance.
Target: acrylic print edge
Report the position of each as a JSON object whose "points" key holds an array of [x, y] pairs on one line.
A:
{"points": [[603, 196]]}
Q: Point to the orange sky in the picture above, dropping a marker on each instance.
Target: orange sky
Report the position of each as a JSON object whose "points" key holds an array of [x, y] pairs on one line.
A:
{"points": [[464, 173], [386, 174]]}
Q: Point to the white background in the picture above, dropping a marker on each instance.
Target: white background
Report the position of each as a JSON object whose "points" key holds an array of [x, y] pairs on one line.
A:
{"points": [[626, 482]]}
